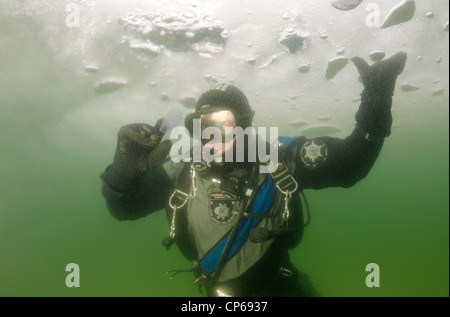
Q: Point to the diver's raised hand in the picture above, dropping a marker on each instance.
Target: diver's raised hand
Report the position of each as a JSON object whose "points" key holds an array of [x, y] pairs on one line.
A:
{"points": [[155, 157], [374, 117], [135, 144], [381, 76]]}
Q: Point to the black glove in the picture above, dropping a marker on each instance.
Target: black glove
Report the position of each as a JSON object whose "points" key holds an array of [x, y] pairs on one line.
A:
{"points": [[138, 148], [374, 117]]}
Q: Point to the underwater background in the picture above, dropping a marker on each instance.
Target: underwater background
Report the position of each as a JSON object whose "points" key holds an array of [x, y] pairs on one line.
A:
{"points": [[73, 72]]}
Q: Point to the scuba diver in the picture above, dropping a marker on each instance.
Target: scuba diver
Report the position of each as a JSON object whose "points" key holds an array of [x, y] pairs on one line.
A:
{"points": [[234, 223]]}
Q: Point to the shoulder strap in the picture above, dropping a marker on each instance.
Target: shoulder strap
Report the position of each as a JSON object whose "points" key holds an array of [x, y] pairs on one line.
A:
{"points": [[287, 140]]}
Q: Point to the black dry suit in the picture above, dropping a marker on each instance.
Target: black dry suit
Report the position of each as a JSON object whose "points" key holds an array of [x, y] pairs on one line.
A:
{"points": [[236, 224], [205, 221]]}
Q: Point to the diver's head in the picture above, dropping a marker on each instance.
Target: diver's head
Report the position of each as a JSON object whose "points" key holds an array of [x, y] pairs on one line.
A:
{"points": [[223, 97], [223, 106], [231, 98]]}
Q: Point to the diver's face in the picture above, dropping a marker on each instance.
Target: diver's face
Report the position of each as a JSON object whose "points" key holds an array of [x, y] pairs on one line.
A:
{"points": [[221, 120]]}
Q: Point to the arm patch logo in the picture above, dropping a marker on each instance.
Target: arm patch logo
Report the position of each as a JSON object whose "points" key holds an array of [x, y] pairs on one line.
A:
{"points": [[314, 153]]}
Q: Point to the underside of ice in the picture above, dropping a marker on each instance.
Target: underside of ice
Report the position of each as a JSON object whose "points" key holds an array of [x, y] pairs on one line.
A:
{"points": [[153, 32], [346, 4], [109, 85], [294, 41], [334, 66], [133, 60], [377, 55], [408, 88], [400, 13]]}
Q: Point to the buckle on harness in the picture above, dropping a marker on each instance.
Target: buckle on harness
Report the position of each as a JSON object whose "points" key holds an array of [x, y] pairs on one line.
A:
{"points": [[181, 197], [283, 271], [287, 184]]}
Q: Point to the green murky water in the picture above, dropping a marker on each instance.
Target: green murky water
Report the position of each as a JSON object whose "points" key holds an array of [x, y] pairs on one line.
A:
{"points": [[58, 133], [52, 214]]}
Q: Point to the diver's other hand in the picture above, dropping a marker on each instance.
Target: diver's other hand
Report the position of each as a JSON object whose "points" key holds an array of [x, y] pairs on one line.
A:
{"points": [[380, 77], [155, 157], [374, 116], [134, 142]]}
